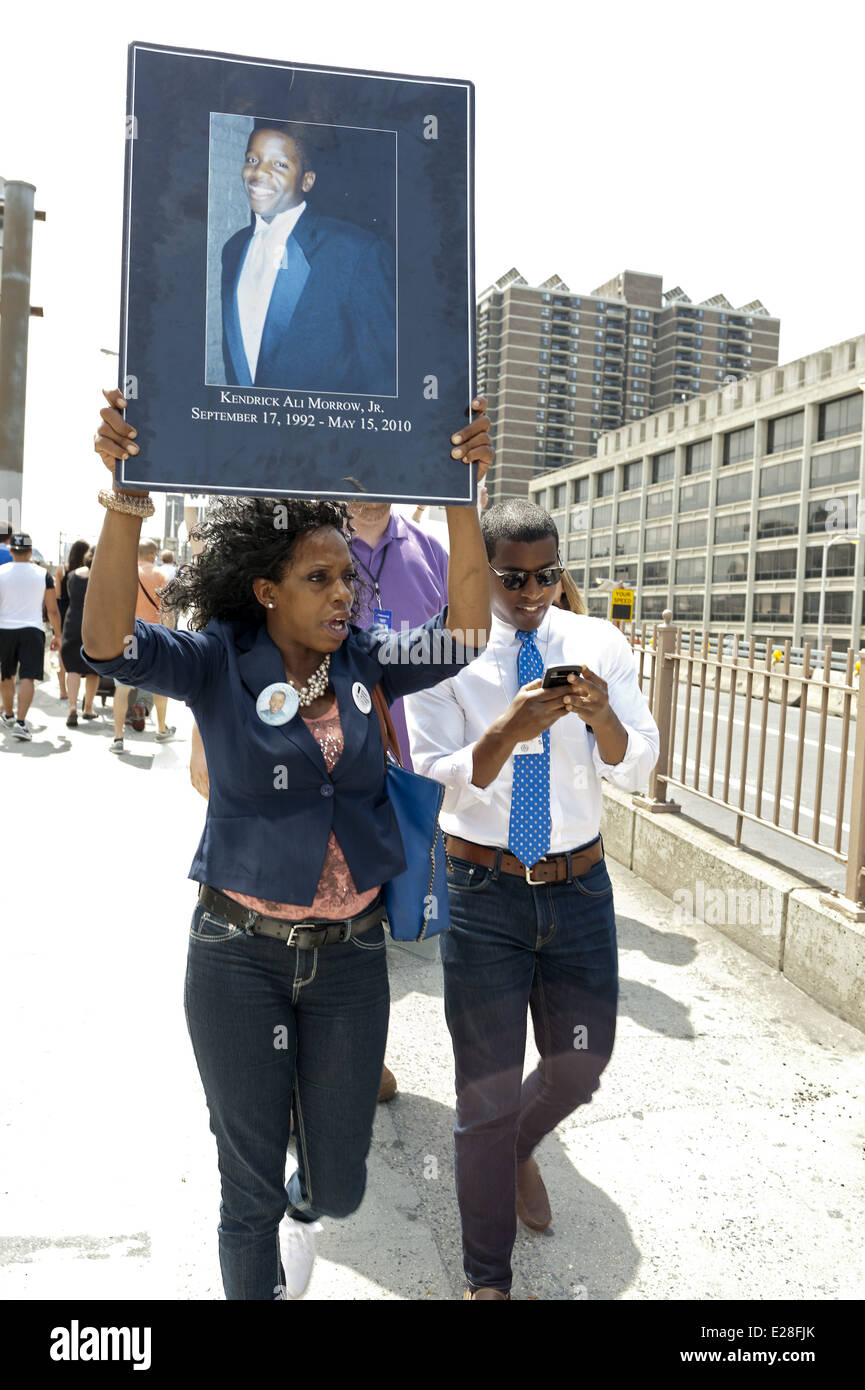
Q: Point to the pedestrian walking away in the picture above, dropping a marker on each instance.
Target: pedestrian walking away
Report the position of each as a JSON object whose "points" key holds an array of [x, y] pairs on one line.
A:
{"points": [[24, 588], [75, 558], [148, 609], [286, 988], [532, 919], [70, 649]]}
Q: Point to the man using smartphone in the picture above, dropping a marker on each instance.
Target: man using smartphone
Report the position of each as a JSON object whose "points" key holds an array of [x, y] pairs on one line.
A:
{"points": [[532, 919]]}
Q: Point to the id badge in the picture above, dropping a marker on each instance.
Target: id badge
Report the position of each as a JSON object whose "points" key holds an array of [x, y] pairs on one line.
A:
{"points": [[532, 745], [382, 617]]}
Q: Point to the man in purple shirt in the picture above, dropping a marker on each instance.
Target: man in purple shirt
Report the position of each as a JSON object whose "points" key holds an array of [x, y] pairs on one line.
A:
{"points": [[405, 579]]}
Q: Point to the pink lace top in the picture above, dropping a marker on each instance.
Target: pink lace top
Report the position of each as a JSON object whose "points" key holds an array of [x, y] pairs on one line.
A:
{"points": [[336, 896]]}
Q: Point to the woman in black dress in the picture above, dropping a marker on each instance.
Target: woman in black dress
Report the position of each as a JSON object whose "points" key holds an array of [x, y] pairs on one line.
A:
{"points": [[77, 551], [70, 647]]}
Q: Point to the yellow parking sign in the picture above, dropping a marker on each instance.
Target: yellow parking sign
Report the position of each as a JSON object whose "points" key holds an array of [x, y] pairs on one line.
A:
{"points": [[621, 605]]}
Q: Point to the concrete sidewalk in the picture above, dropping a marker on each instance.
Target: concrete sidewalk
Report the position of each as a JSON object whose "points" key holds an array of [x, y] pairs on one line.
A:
{"points": [[721, 1158]]}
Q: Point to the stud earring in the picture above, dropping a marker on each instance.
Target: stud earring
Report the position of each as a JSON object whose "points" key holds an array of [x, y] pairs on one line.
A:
{"points": [[271, 605]]}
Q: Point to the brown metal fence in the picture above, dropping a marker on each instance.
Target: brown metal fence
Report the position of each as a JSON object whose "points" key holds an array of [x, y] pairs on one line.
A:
{"points": [[696, 684]]}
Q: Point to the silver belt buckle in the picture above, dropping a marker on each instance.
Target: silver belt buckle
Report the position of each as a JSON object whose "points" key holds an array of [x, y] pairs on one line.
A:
{"points": [[535, 882], [295, 928]]}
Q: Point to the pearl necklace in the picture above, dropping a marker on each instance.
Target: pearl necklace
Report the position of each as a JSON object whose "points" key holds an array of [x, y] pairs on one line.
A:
{"points": [[315, 686]]}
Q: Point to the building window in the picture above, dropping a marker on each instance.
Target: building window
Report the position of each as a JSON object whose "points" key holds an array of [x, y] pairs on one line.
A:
{"points": [[841, 466], [840, 560], [777, 521], [838, 607], [698, 457], [625, 576], [775, 564], [733, 488], [781, 477], [558, 496], [629, 509], [735, 527], [691, 571], [786, 432], [632, 476], [694, 498], [600, 546], [663, 466], [691, 533], [627, 542], [839, 417], [580, 490], [656, 571], [652, 607], [602, 516], [657, 538], [730, 569], [659, 503], [773, 607], [727, 608], [577, 550], [833, 514], [739, 445], [688, 608], [605, 483]]}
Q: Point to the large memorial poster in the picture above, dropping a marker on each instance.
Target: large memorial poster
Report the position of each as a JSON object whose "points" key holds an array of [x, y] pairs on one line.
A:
{"points": [[298, 278]]}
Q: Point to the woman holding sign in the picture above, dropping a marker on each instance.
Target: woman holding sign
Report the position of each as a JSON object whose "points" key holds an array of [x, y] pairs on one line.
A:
{"points": [[286, 987]]}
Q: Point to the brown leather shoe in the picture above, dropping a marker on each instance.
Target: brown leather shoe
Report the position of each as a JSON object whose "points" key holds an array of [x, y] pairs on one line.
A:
{"points": [[387, 1089], [487, 1294], [533, 1204]]}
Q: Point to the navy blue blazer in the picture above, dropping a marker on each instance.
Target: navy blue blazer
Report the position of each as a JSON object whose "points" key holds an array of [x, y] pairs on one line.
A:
{"points": [[273, 802], [331, 322]]}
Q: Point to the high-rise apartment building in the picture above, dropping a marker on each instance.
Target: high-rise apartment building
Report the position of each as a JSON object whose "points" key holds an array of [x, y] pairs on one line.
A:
{"points": [[560, 369]]}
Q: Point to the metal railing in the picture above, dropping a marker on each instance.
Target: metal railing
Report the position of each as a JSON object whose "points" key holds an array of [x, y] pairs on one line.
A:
{"points": [[698, 683]]}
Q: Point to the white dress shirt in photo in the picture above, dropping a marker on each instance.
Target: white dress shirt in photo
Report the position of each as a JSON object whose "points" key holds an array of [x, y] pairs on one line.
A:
{"points": [[445, 723], [258, 275]]}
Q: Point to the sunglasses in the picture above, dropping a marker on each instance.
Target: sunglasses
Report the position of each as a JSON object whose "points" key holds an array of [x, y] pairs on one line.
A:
{"points": [[517, 579]]}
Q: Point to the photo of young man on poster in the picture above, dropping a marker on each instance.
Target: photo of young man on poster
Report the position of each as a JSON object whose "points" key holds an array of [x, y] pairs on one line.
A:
{"points": [[308, 300]]}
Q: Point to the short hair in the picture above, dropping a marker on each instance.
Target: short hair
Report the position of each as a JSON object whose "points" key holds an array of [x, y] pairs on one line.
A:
{"points": [[167, 557], [146, 548], [294, 131], [515, 520]]}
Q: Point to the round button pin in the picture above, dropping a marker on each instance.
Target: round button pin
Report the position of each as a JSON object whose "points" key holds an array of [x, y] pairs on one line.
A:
{"points": [[277, 704], [361, 697]]}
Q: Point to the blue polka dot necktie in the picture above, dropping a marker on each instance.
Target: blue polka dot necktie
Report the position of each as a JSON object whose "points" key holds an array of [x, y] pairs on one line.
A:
{"points": [[529, 828]]}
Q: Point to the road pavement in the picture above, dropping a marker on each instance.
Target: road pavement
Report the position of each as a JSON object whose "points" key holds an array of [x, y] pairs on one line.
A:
{"points": [[721, 1158]]}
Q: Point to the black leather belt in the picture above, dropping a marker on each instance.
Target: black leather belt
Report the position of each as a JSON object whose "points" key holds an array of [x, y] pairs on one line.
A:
{"points": [[307, 936]]}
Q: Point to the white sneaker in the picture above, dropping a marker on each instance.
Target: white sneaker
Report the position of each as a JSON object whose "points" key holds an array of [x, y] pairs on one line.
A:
{"points": [[8, 720], [116, 746], [298, 1255], [20, 729]]}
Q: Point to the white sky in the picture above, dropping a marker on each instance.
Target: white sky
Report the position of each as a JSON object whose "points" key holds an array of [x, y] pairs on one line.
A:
{"points": [[720, 146]]}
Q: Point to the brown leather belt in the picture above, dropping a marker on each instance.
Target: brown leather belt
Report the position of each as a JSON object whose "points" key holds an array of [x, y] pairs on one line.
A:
{"points": [[553, 868], [307, 936]]}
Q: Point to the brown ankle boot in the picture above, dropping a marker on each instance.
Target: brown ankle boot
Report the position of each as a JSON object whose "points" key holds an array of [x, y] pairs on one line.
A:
{"points": [[533, 1204]]}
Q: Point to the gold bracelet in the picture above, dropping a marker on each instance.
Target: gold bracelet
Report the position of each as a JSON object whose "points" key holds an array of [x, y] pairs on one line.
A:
{"points": [[130, 503]]}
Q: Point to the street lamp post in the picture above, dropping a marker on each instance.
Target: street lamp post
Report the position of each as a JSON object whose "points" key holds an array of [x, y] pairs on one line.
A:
{"points": [[850, 539]]}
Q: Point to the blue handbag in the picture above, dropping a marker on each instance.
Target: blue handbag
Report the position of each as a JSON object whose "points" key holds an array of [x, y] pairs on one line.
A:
{"points": [[416, 901]]}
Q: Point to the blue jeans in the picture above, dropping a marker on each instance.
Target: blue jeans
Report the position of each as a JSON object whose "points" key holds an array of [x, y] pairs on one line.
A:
{"points": [[513, 948], [276, 1029]]}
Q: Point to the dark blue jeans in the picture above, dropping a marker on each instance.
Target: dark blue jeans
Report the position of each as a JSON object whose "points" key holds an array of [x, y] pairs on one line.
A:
{"points": [[276, 1029], [550, 950]]}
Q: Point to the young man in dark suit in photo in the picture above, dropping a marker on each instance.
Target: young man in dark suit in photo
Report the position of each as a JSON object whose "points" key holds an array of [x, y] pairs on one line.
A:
{"points": [[308, 302]]}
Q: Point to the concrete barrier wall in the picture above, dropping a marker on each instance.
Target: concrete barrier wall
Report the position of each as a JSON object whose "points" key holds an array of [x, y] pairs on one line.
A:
{"points": [[766, 909]]}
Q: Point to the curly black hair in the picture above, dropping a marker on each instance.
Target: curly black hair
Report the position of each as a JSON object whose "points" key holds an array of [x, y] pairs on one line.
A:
{"points": [[245, 538]]}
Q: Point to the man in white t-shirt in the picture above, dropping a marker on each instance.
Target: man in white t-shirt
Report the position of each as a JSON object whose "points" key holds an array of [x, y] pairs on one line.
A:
{"points": [[24, 587]]}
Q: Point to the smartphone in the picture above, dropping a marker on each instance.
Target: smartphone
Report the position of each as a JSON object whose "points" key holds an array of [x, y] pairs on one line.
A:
{"points": [[558, 675]]}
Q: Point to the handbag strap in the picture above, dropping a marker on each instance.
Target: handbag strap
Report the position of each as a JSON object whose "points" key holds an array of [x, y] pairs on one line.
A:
{"points": [[388, 732]]}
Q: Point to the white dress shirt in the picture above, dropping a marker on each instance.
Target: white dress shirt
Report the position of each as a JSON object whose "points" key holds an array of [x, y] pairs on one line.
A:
{"points": [[445, 723], [258, 275]]}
